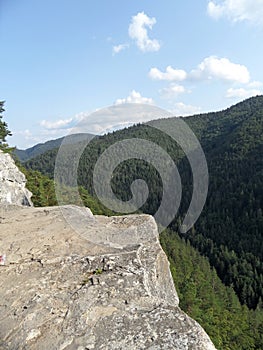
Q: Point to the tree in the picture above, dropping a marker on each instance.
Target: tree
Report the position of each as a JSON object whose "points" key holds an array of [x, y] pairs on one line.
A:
{"points": [[4, 132]]}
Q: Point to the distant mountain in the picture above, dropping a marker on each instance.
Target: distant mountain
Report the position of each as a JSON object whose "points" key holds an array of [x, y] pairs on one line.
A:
{"points": [[40, 148], [229, 231]]}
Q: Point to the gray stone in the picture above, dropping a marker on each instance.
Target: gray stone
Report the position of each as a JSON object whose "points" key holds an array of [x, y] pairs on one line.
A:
{"points": [[12, 183], [63, 290]]}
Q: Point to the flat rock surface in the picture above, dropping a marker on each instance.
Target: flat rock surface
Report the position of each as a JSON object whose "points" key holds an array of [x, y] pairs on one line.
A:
{"points": [[88, 282]]}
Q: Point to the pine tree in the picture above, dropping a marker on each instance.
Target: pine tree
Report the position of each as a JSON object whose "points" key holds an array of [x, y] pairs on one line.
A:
{"points": [[4, 132]]}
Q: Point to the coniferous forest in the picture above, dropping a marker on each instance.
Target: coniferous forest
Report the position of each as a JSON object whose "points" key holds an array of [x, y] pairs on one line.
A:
{"points": [[217, 265]]}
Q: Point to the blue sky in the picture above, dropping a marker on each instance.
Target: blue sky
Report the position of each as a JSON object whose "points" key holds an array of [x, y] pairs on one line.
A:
{"points": [[62, 59]]}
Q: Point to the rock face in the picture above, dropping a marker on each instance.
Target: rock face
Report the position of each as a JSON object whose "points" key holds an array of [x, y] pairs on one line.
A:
{"points": [[12, 183], [99, 290]]}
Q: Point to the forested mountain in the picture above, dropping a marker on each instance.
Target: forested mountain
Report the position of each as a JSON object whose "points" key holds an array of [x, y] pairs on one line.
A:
{"points": [[229, 230], [40, 148]]}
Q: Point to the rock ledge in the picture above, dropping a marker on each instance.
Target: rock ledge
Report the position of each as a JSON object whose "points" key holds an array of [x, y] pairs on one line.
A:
{"points": [[61, 290]]}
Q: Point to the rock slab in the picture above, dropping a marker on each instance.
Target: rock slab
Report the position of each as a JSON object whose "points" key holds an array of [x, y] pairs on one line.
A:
{"points": [[102, 289]]}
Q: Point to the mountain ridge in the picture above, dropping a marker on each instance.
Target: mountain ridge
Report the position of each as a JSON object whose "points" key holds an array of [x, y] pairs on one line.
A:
{"points": [[29, 153], [40, 148]]}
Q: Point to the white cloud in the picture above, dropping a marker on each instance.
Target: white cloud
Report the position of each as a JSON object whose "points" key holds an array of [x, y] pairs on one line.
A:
{"points": [[242, 93], [170, 74], [181, 109], [255, 84], [118, 48], [125, 112], [135, 97], [24, 138], [215, 10], [213, 67], [58, 124], [26, 134], [172, 91], [237, 10], [138, 32], [118, 116]]}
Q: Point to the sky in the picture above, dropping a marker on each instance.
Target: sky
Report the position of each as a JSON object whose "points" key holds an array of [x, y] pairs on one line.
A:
{"points": [[63, 60]]}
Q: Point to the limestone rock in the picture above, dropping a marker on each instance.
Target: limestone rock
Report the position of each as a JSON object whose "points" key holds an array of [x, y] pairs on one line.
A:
{"points": [[61, 290], [12, 183]]}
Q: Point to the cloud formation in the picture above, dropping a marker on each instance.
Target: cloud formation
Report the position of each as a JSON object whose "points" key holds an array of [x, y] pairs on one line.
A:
{"points": [[182, 109], [138, 31], [237, 10], [118, 48], [170, 74], [242, 93], [118, 116], [25, 135], [125, 112], [211, 67], [58, 124], [135, 97], [172, 91]]}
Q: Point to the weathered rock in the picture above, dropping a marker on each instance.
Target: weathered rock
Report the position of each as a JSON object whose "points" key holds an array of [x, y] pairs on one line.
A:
{"points": [[98, 290], [12, 183]]}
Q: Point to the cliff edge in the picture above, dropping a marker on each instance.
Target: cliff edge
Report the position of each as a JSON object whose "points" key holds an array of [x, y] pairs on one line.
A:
{"points": [[109, 288]]}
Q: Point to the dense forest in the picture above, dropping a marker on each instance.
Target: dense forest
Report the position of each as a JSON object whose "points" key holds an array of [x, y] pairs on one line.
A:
{"points": [[204, 297], [229, 231]]}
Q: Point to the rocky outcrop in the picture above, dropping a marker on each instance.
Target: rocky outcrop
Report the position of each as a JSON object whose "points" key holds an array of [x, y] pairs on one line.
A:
{"points": [[109, 287], [12, 183]]}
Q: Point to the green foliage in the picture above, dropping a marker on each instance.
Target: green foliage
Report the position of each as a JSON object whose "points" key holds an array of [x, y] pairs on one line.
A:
{"points": [[41, 186], [45, 163], [44, 194], [4, 132], [203, 296]]}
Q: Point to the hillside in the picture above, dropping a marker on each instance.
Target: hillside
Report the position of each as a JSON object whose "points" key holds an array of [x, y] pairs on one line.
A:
{"points": [[229, 231], [40, 148]]}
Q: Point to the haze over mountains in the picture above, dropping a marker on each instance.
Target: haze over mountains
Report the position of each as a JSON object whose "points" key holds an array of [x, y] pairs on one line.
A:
{"points": [[41, 148]]}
